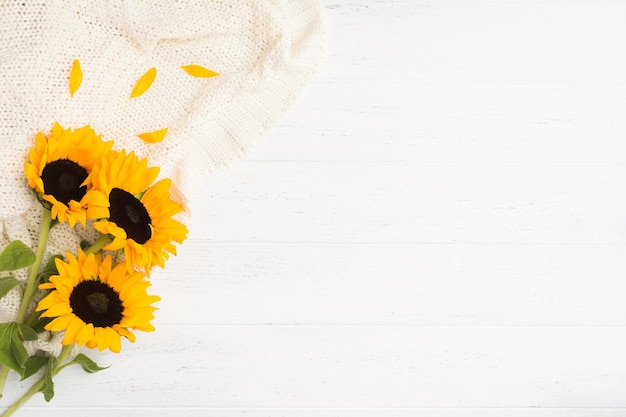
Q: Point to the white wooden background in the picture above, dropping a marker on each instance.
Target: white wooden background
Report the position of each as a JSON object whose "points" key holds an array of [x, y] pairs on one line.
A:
{"points": [[437, 228]]}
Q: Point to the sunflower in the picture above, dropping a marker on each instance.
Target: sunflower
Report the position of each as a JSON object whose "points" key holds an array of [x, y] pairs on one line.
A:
{"points": [[57, 168], [139, 218], [96, 304]]}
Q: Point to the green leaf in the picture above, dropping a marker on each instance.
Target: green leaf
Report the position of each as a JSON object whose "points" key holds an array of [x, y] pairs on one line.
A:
{"points": [[16, 256], [87, 364], [21, 334], [48, 385], [33, 364], [50, 269], [26, 333], [12, 351], [40, 322], [8, 332], [7, 284], [19, 353]]}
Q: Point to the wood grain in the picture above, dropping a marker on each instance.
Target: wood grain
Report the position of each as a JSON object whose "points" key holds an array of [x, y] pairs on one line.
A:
{"points": [[352, 367], [435, 229]]}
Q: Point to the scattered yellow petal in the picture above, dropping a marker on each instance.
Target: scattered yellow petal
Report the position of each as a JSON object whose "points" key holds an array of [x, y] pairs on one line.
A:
{"points": [[199, 71], [144, 83], [153, 137], [76, 77]]}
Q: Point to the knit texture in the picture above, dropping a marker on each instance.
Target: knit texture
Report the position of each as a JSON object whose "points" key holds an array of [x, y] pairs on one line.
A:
{"points": [[264, 50]]}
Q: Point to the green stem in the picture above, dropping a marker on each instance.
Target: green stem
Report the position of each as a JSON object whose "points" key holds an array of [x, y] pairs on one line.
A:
{"points": [[62, 356], [32, 317], [4, 374], [27, 395], [37, 386], [102, 241], [31, 283]]}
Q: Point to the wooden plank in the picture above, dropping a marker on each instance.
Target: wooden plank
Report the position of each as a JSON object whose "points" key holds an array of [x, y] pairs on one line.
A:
{"points": [[452, 121], [472, 203], [323, 412], [356, 367], [484, 40], [374, 284]]}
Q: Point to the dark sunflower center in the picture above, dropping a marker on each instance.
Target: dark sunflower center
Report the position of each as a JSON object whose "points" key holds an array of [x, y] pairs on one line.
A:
{"points": [[96, 303], [130, 214], [63, 178]]}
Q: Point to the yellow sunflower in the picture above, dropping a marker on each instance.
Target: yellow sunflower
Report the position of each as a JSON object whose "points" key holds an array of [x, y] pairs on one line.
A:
{"points": [[57, 168], [96, 304], [140, 215]]}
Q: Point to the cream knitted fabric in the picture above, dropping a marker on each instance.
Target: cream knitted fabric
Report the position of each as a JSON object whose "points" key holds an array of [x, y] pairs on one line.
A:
{"points": [[264, 50]]}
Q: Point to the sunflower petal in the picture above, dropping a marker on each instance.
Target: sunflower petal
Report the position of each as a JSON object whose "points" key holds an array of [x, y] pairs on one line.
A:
{"points": [[153, 137], [58, 309], [144, 82], [127, 334], [60, 323], [76, 77], [199, 71], [72, 329], [112, 340], [85, 334]]}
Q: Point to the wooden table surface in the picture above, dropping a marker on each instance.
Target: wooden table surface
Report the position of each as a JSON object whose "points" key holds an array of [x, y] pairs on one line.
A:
{"points": [[436, 228]]}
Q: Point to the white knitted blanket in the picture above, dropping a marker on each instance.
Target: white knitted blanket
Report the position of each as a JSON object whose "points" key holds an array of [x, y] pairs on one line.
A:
{"points": [[264, 50]]}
